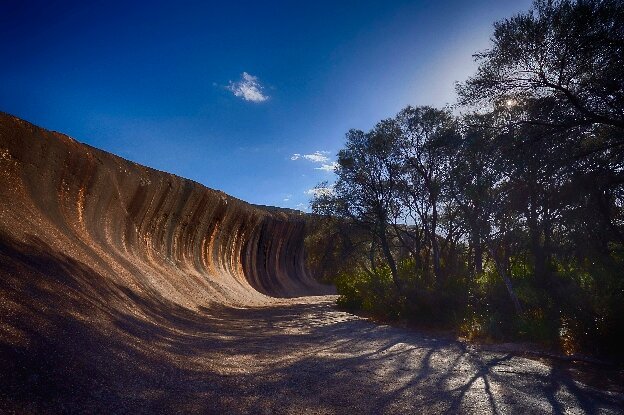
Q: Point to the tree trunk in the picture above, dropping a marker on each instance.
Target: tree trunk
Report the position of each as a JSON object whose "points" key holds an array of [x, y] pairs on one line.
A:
{"points": [[434, 243], [477, 249], [505, 277], [385, 247], [371, 256], [405, 243], [537, 251], [478, 258]]}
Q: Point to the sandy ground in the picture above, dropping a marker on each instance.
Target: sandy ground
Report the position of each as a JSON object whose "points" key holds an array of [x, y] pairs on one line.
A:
{"points": [[301, 356]]}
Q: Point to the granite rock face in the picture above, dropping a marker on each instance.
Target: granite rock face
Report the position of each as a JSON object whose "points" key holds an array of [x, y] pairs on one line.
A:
{"points": [[115, 277], [136, 228]]}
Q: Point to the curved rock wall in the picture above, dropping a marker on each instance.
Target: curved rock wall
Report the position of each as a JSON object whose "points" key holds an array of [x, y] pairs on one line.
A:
{"points": [[141, 229]]}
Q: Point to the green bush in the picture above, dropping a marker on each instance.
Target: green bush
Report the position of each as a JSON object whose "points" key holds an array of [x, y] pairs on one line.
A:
{"points": [[582, 309], [372, 293], [418, 300]]}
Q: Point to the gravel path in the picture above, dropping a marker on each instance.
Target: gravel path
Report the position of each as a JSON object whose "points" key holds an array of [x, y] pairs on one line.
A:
{"points": [[301, 356]]}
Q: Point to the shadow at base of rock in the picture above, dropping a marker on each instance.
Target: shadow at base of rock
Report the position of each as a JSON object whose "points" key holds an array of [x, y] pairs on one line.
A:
{"points": [[73, 341]]}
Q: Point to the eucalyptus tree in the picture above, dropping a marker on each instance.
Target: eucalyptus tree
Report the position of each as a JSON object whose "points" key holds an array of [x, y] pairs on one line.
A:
{"points": [[480, 186], [569, 50], [559, 66], [426, 138], [366, 189], [473, 177]]}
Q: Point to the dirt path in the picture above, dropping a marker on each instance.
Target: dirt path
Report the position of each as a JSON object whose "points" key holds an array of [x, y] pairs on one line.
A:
{"points": [[303, 356]]}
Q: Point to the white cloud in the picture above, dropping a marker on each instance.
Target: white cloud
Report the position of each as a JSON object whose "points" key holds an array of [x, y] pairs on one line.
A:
{"points": [[316, 157], [248, 88], [328, 167], [287, 198], [320, 191]]}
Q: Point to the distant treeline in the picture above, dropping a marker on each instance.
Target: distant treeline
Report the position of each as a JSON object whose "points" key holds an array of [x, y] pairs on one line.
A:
{"points": [[502, 216]]}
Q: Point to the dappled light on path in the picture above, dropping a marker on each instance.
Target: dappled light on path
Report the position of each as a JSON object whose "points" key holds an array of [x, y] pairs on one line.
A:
{"points": [[304, 356]]}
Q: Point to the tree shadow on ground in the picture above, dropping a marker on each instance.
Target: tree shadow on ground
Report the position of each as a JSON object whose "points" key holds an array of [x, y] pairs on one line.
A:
{"points": [[75, 341]]}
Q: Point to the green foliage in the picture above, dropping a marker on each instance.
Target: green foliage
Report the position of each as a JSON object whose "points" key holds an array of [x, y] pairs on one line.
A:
{"points": [[375, 293], [507, 223], [590, 298], [372, 293], [583, 311]]}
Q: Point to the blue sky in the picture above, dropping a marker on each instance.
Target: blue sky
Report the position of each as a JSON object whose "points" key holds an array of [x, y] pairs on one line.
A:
{"points": [[252, 98]]}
